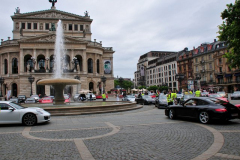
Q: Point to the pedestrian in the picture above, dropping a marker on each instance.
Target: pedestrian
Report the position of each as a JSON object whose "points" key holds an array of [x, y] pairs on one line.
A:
{"points": [[104, 97], [170, 97], [198, 93], [117, 97], [90, 96]]}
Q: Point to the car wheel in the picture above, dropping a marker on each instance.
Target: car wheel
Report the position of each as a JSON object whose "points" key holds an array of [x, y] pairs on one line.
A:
{"points": [[204, 117], [172, 114], [29, 119]]}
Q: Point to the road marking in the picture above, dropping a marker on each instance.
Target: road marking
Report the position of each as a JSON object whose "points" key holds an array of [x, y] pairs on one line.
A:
{"points": [[215, 147], [83, 150]]}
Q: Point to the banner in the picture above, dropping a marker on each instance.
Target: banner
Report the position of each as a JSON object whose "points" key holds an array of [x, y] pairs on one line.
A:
{"points": [[107, 67], [142, 71]]}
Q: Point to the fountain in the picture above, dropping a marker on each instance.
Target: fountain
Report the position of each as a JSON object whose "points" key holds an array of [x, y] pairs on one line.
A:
{"points": [[58, 82]]}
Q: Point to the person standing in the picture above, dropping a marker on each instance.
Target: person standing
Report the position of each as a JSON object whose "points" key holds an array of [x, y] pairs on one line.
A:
{"points": [[90, 96], [170, 97], [104, 97], [198, 93]]}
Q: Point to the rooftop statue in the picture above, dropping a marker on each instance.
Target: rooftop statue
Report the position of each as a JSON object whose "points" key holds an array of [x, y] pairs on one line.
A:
{"points": [[53, 2]]}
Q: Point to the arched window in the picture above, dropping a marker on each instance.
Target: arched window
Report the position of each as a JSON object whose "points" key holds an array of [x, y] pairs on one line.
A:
{"points": [[98, 69], [14, 89], [28, 62], [5, 66], [79, 59], [14, 66], [90, 65], [41, 61], [91, 86]]}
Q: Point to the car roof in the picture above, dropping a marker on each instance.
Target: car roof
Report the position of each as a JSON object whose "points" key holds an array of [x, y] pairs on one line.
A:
{"points": [[7, 102]]}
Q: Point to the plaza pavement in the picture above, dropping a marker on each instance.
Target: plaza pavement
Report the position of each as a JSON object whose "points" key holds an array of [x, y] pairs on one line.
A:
{"points": [[143, 134]]}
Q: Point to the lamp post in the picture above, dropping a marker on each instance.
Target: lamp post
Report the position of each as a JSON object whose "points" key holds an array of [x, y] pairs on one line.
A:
{"points": [[1, 82], [31, 80], [103, 79], [78, 78], [179, 77], [198, 77]]}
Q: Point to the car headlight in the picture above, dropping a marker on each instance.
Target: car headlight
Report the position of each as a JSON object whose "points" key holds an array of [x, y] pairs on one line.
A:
{"points": [[39, 111]]}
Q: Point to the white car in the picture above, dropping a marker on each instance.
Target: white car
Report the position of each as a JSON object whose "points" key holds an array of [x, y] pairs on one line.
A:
{"points": [[11, 113], [93, 96], [36, 97]]}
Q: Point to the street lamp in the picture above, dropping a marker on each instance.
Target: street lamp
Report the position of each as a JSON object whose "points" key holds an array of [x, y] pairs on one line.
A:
{"points": [[179, 77], [1, 82], [103, 79], [198, 77], [78, 78], [31, 80]]}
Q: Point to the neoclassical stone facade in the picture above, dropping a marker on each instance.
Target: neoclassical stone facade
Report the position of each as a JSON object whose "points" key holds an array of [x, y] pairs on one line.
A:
{"points": [[31, 53]]}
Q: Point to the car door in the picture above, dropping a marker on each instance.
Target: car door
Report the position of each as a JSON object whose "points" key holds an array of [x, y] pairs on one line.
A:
{"points": [[189, 107], [8, 116]]}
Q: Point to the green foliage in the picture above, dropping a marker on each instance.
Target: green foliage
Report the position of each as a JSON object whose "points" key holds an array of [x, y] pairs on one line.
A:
{"points": [[125, 84], [154, 88], [163, 88], [229, 31], [141, 87]]}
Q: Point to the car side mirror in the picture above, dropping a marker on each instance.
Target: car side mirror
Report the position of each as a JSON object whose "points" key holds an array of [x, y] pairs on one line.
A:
{"points": [[11, 108]]}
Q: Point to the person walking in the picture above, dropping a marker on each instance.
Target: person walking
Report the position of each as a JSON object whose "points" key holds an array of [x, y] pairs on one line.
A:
{"points": [[90, 96], [104, 97], [198, 93]]}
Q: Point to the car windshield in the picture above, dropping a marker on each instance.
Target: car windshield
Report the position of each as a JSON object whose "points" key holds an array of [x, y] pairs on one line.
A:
{"points": [[188, 96], [30, 99], [130, 96], [162, 97], [16, 106], [146, 96], [204, 92], [48, 98], [21, 96]]}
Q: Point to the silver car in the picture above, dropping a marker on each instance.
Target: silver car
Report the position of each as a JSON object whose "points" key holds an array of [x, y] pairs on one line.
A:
{"points": [[30, 100], [161, 101], [93, 96], [11, 113], [36, 97]]}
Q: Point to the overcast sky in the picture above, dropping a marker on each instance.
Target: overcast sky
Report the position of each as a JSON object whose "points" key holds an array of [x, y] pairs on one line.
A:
{"points": [[134, 27]]}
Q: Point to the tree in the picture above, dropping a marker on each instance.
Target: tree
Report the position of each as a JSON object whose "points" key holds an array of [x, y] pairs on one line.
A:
{"points": [[229, 31], [154, 88]]}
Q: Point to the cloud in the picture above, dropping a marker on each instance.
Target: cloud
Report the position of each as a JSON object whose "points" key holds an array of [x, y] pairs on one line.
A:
{"points": [[135, 27]]}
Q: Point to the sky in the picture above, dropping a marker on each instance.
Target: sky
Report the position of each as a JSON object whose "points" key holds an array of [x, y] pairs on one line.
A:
{"points": [[134, 27]]}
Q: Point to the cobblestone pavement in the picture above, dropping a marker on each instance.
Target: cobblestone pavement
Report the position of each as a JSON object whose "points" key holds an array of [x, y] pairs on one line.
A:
{"points": [[143, 134]]}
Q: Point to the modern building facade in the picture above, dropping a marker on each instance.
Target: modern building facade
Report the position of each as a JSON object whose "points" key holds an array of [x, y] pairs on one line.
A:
{"points": [[31, 53]]}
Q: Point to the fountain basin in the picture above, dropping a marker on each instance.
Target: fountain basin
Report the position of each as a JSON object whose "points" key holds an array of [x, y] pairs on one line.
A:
{"points": [[59, 84]]}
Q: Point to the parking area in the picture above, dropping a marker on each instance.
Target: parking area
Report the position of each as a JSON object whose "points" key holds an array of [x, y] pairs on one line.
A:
{"points": [[139, 134]]}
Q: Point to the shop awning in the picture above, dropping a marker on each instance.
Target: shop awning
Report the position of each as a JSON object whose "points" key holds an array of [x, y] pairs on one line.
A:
{"points": [[219, 76], [228, 75], [237, 74]]}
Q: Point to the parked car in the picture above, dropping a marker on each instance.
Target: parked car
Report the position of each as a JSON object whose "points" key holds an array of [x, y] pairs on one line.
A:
{"points": [[204, 94], [21, 98], [161, 101], [82, 97], [12, 113], [30, 100], [14, 100], [145, 99], [36, 97], [46, 100], [129, 98], [218, 97], [223, 94], [67, 99], [153, 95], [88, 96], [204, 109], [235, 95], [76, 97]]}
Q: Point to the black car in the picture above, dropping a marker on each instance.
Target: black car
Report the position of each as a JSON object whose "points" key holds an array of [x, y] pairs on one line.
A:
{"points": [[145, 99], [21, 98], [204, 109], [161, 101]]}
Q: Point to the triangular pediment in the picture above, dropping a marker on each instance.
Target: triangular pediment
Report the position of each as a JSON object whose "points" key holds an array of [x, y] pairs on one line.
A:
{"points": [[51, 38], [51, 14]]}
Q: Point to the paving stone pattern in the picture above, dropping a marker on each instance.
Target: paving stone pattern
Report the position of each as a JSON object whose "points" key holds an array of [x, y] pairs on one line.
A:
{"points": [[17, 147], [167, 141], [231, 144]]}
